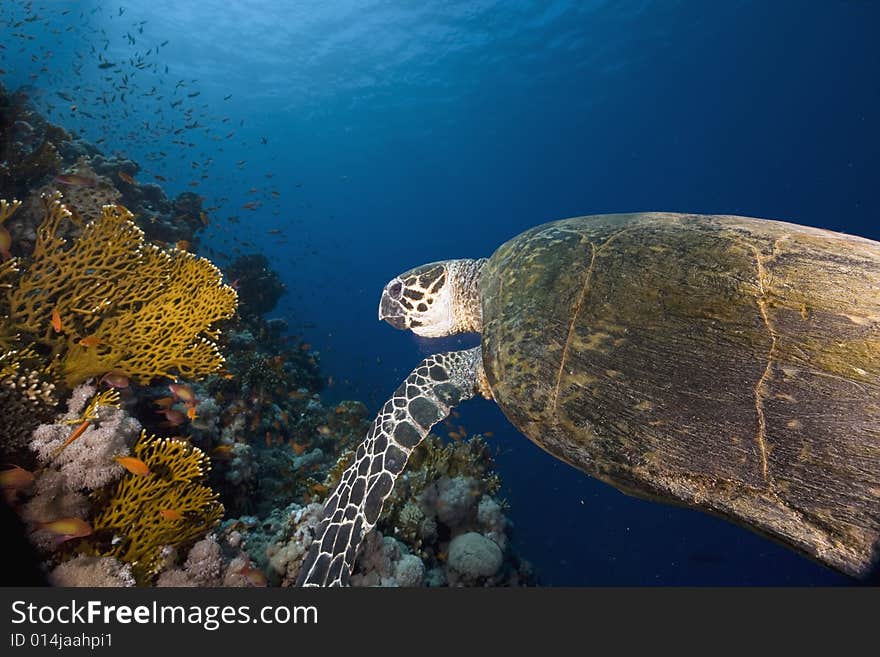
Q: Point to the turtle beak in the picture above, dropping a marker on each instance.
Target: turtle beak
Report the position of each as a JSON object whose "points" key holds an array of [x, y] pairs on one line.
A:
{"points": [[391, 311]]}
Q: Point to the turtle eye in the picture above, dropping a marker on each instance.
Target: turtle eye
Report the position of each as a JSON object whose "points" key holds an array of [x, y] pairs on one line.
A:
{"points": [[395, 289]]}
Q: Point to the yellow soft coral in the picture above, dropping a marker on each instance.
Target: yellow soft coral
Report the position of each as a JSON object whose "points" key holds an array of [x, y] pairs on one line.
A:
{"points": [[141, 310], [169, 506]]}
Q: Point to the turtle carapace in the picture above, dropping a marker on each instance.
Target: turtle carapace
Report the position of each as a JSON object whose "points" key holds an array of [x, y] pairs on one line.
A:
{"points": [[723, 363]]}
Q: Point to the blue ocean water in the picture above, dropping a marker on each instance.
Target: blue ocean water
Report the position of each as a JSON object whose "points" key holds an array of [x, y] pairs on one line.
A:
{"points": [[379, 135]]}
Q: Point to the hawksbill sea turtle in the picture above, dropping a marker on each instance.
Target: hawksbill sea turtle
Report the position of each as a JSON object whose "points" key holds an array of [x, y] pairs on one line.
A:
{"points": [[723, 363]]}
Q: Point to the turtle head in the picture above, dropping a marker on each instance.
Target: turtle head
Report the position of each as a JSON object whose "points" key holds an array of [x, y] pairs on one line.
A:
{"points": [[435, 300]]}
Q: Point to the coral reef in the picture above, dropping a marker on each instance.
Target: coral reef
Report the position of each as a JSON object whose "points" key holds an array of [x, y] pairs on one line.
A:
{"points": [[170, 506], [51, 500], [93, 297], [276, 439], [188, 217], [448, 492], [203, 567], [88, 462], [259, 285], [84, 570], [444, 528], [27, 399], [472, 555], [68, 471], [7, 209], [210, 564], [387, 562], [82, 301], [31, 148], [34, 152], [280, 542], [84, 200], [441, 488]]}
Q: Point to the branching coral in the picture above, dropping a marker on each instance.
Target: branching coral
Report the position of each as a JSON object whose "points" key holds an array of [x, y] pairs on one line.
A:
{"points": [[7, 208], [8, 269], [26, 398], [169, 506], [467, 458], [123, 304]]}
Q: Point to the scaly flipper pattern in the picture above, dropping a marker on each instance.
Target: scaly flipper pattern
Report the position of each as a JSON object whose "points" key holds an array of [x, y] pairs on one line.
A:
{"points": [[439, 383]]}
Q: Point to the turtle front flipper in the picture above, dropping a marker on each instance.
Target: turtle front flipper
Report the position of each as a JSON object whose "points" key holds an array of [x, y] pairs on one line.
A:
{"points": [[439, 383]]}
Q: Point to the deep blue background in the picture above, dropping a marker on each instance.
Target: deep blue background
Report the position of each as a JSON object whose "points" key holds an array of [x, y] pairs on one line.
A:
{"points": [[397, 135]]}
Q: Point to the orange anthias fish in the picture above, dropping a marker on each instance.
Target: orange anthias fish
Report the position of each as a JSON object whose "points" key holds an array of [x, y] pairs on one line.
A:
{"points": [[56, 320], [115, 379], [75, 180], [222, 452], [90, 341], [191, 412], [5, 243], [324, 430], [16, 478], [125, 177], [80, 430], [182, 392], [174, 417], [254, 576], [296, 447], [171, 514], [134, 465], [182, 245], [67, 528]]}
